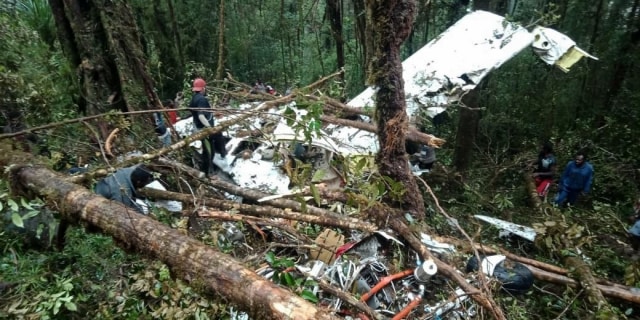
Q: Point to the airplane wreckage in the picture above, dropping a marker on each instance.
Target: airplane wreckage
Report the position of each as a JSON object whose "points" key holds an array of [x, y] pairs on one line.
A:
{"points": [[436, 77]]}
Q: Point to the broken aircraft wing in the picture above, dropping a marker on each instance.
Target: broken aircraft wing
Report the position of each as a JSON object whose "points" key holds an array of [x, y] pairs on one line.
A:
{"points": [[456, 61]]}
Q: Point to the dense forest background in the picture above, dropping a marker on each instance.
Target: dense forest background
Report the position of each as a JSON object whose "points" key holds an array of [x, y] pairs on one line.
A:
{"points": [[289, 44]]}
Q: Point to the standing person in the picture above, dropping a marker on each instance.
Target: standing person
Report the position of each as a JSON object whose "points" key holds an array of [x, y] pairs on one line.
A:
{"points": [[576, 179], [545, 169], [202, 119]]}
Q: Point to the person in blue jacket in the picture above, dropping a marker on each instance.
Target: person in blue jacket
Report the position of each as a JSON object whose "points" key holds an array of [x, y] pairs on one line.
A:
{"points": [[576, 179]]}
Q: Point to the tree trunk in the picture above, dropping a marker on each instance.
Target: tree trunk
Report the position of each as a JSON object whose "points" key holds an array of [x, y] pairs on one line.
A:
{"points": [[332, 220], [468, 122], [102, 40], [624, 61], [334, 13], [187, 257], [469, 116], [389, 24], [176, 35], [361, 30], [221, 50]]}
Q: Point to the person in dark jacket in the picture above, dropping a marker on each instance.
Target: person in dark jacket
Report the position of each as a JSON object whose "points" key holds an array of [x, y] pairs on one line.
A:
{"points": [[203, 118], [576, 179], [121, 185]]}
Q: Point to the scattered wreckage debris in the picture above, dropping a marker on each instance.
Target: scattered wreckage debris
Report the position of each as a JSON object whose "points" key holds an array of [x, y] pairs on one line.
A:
{"points": [[540, 270], [513, 276], [507, 228], [368, 268]]}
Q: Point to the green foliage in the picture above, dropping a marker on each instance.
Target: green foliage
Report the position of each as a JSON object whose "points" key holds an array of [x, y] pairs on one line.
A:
{"points": [[284, 275], [502, 201], [50, 303], [37, 14], [92, 278], [35, 77]]}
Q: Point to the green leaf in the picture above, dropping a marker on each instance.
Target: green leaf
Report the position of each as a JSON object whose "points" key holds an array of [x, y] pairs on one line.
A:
{"points": [[17, 220], [315, 125], [67, 285], [39, 230], [270, 257], [1, 206], [309, 296], [52, 226], [56, 307], [13, 205], [70, 306], [25, 204], [288, 279], [361, 163], [30, 214]]}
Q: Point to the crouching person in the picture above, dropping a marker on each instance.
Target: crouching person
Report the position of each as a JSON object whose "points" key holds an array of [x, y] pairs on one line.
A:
{"points": [[121, 186]]}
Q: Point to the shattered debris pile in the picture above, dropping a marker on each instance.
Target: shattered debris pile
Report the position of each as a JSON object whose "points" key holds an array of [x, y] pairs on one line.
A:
{"points": [[387, 277], [285, 158]]}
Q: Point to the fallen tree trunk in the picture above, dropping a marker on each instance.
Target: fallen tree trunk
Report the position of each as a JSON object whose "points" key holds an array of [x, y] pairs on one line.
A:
{"points": [[187, 257], [412, 134], [255, 195], [542, 265], [332, 220], [608, 290]]}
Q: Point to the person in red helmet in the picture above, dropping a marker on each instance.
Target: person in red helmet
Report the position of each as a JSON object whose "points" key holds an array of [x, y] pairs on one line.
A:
{"points": [[203, 118]]}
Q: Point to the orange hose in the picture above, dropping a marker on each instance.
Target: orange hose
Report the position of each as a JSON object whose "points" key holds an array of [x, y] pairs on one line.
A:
{"points": [[384, 282], [405, 312]]}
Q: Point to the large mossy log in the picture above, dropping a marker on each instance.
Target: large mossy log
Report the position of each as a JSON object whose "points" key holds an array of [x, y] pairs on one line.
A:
{"points": [[188, 258]]}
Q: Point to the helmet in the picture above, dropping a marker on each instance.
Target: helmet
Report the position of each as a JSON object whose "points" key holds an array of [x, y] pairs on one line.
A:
{"points": [[198, 84]]}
